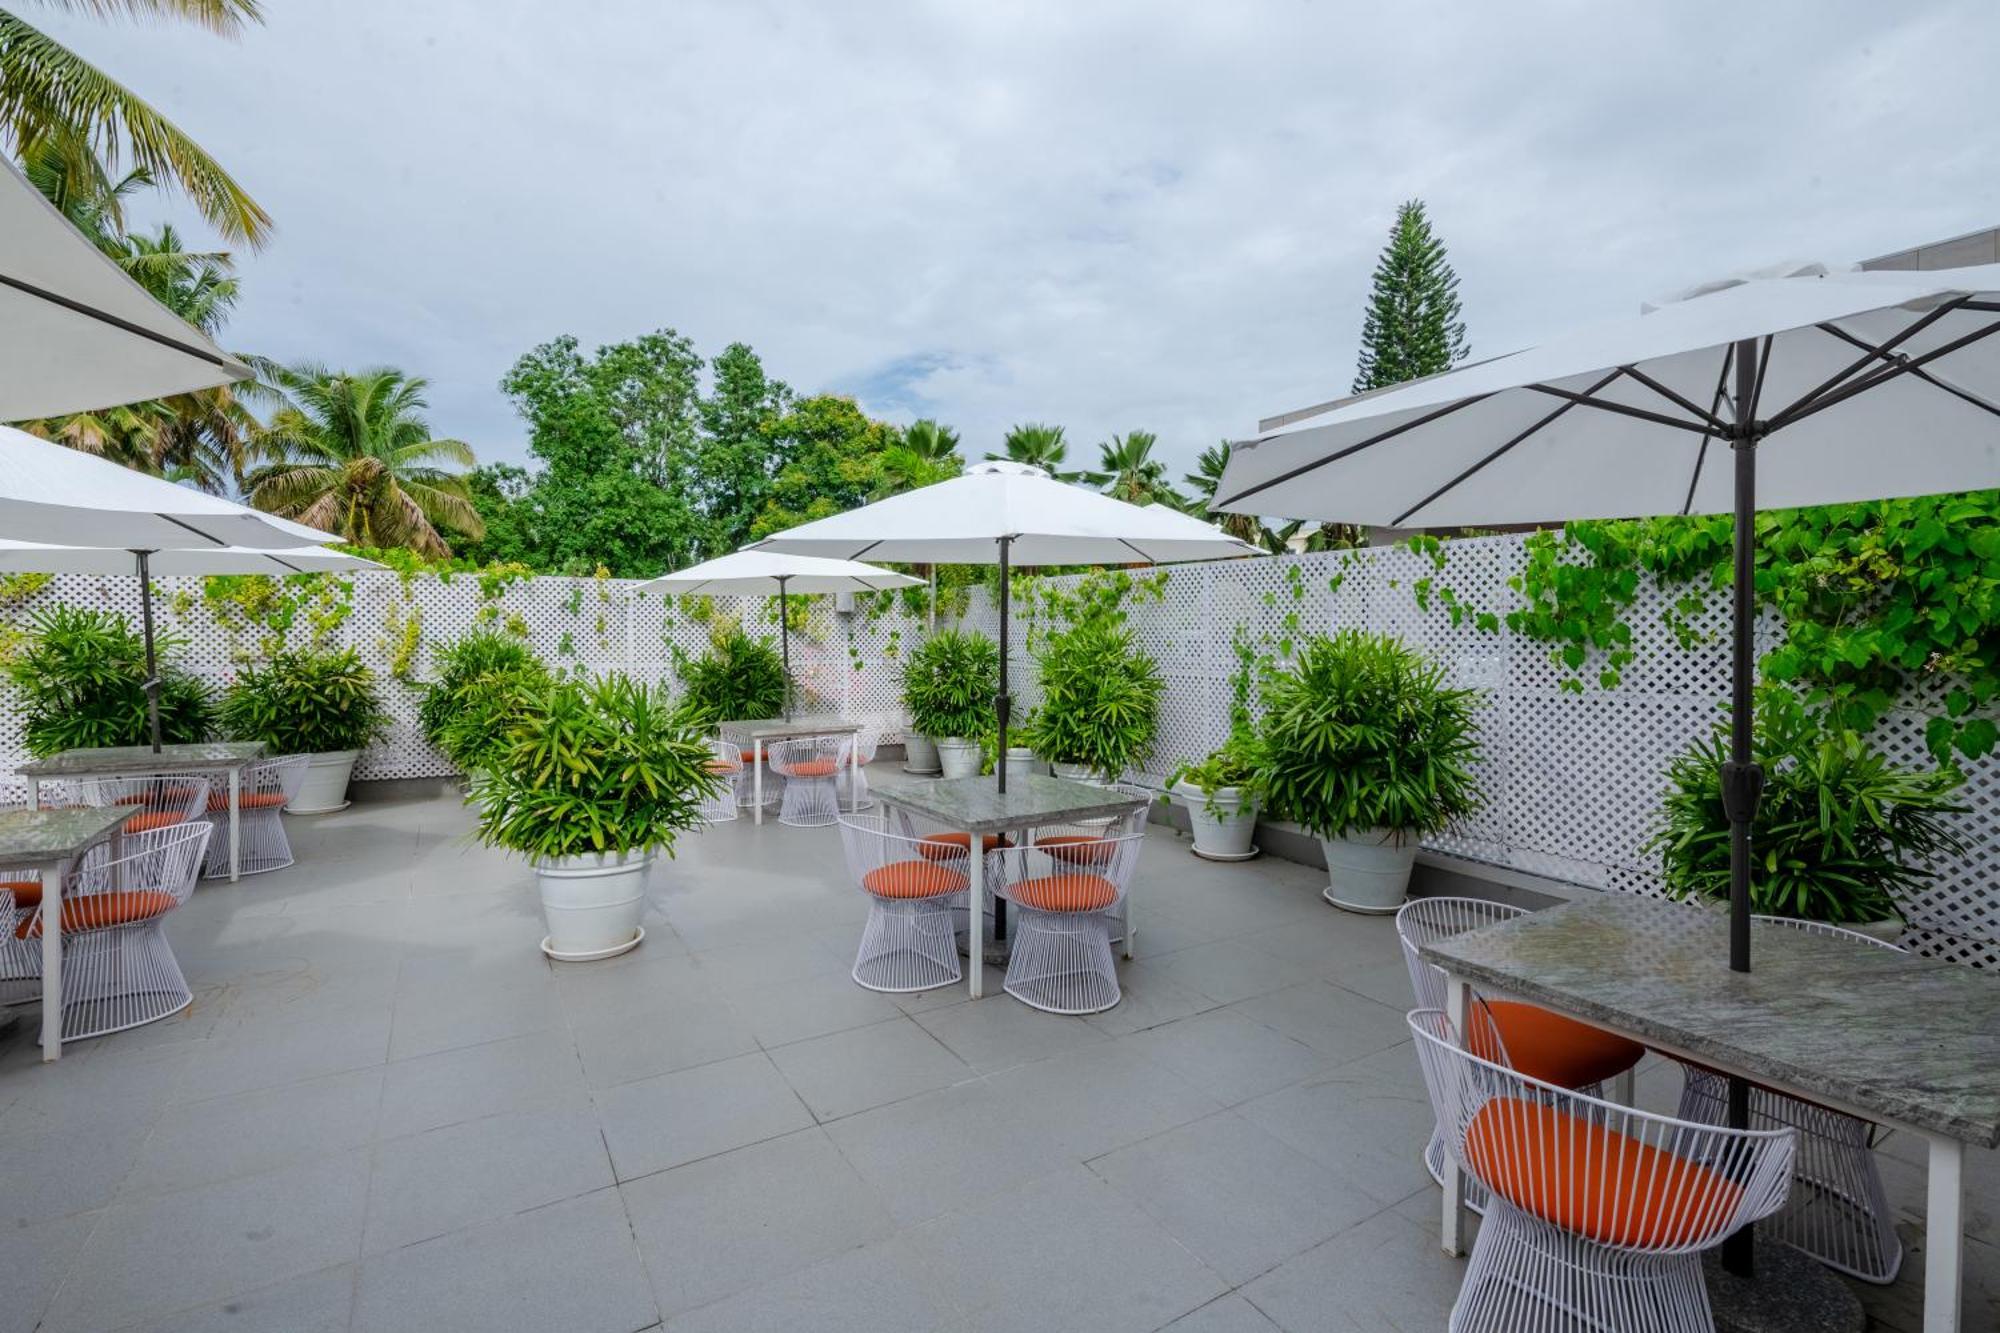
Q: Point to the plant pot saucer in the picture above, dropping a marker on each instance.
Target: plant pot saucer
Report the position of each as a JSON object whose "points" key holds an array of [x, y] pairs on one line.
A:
{"points": [[320, 810], [1251, 855], [1359, 909], [592, 955], [922, 772]]}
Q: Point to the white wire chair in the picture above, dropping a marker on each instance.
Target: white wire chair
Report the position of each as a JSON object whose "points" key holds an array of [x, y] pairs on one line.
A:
{"points": [[158, 800], [861, 745], [1838, 1211], [1597, 1214], [810, 766], [266, 789], [1067, 895], [746, 778], [1547, 1046], [118, 971], [727, 764], [914, 886]]}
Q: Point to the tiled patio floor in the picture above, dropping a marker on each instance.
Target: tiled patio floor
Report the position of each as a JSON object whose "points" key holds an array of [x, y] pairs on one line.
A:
{"points": [[386, 1111]]}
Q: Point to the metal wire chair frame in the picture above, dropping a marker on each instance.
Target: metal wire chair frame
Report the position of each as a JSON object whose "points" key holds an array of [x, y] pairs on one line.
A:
{"points": [[721, 807], [812, 797], [915, 891], [1061, 961], [862, 745], [265, 790]]}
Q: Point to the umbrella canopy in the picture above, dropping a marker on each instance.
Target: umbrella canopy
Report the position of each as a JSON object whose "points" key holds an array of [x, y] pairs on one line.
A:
{"points": [[75, 332], [36, 558], [52, 494], [770, 573]]}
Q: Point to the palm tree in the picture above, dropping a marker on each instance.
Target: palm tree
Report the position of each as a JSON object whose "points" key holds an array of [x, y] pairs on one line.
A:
{"points": [[351, 453], [1037, 446], [1128, 471], [1207, 475], [50, 96], [928, 440]]}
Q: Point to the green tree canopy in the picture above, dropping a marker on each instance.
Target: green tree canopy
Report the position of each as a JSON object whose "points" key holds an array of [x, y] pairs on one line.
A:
{"points": [[736, 454], [1413, 326], [830, 459]]}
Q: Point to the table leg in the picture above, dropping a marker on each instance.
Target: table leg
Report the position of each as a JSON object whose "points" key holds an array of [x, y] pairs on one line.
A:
{"points": [[34, 793], [975, 916], [854, 775], [1944, 1235], [52, 979], [1624, 1087], [757, 780], [1458, 1005], [235, 826]]}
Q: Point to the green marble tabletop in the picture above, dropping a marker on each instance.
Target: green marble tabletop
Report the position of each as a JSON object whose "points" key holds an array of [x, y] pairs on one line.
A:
{"points": [[777, 728], [142, 759], [1893, 1036], [977, 805], [48, 835]]}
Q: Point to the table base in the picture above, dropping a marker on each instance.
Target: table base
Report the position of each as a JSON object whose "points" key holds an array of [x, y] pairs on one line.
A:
{"points": [[1790, 1293]]}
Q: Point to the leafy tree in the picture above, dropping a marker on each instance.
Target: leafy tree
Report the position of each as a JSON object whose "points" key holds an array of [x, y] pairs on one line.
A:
{"points": [[1202, 483], [351, 453], [929, 441], [497, 491], [1128, 471], [55, 104], [831, 456], [735, 455], [1413, 326], [1036, 445]]}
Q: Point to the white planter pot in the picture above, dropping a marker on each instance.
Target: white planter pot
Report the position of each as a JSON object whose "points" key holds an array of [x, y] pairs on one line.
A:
{"points": [[1080, 773], [1021, 762], [920, 754], [591, 904], [959, 757], [1368, 872], [325, 787], [1224, 835]]}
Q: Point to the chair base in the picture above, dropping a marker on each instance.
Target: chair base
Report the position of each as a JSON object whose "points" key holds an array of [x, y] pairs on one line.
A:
{"points": [[809, 803], [1527, 1275], [1061, 962], [908, 946]]}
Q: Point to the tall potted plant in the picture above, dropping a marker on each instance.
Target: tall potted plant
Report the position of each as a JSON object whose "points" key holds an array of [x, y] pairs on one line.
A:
{"points": [[320, 703], [740, 678], [1365, 744], [463, 710], [82, 678], [1100, 701], [594, 780], [948, 686], [1842, 834]]}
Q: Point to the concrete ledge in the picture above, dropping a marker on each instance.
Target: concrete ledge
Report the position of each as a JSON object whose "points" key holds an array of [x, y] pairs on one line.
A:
{"points": [[402, 789]]}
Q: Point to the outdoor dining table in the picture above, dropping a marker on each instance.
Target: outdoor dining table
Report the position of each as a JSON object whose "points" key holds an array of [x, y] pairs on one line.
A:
{"points": [[48, 842], [755, 732], [977, 806], [1907, 1042], [204, 757]]}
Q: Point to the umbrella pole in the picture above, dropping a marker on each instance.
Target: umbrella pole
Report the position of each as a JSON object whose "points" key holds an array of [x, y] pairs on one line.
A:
{"points": [[1003, 702], [785, 638], [152, 665]]}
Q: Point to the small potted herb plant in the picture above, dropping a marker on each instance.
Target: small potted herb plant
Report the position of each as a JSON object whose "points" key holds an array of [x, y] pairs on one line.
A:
{"points": [[82, 678], [1220, 794], [594, 780], [948, 686], [1842, 834], [1100, 701], [1366, 746], [320, 703], [740, 679]]}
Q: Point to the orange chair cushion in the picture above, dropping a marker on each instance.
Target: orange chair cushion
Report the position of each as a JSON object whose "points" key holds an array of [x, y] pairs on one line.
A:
{"points": [[1071, 892], [749, 756], [1595, 1182], [952, 846], [218, 802], [912, 879], [1078, 849], [27, 892], [1549, 1047], [722, 766], [153, 819], [95, 911], [159, 796], [815, 768]]}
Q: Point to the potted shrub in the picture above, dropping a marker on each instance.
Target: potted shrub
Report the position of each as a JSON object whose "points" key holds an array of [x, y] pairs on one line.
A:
{"points": [[319, 703], [1220, 795], [466, 671], [594, 780], [1100, 701], [740, 679], [82, 678], [487, 707], [948, 685], [1842, 834], [1365, 745]]}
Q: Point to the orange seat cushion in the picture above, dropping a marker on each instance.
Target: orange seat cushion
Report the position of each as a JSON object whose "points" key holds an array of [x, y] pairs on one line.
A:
{"points": [[95, 911], [1549, 1047], [912, 879], [1075, 891], [749, 756], [153, 819], [218, 802], [815, 768], [721, 766], [1595, 1182], [1078, 849], [27, 892], [953, 846]]}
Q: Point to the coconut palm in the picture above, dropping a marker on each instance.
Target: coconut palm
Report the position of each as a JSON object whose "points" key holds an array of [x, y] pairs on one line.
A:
{"points": [[928, 440], [351, 453], [49, 95]]}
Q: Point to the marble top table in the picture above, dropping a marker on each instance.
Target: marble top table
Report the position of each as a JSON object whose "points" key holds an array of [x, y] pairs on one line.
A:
{"points": [[231, 757], [1887, 1036], [976, 806], [757, 732], [47, 842]]}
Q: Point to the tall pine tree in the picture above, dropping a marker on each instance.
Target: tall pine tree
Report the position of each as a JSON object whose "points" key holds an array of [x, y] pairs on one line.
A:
{"points": [[1413, 326]]}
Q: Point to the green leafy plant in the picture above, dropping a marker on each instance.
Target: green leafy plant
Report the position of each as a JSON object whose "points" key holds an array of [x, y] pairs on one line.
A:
{"points": [[305, 703], [1100, 697], [82, 677], [592, 766], [1362, 732], [740, 678], [484, 711], [1841, 835], [1234, 764], [462, 665], [949, 683]]}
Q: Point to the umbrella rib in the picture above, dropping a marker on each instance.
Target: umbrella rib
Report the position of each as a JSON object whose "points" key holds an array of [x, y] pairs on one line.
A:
{"points": [[105, 317], [191, 528], [1701, 455], [1862, 362], [1141, 554], [1339, 454], [1793, 415], [1584, 400], [1759, 370], [1923, 375], [1714, 422], [1397, 521], [865, 550]]}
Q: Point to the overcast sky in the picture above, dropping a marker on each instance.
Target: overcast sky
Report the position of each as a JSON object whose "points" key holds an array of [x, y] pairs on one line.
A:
{"points": [[1107, 215]]}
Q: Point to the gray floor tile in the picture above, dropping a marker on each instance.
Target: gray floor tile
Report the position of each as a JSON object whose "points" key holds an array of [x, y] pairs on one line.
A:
{"points": [[88, 1083], [1229, 1057], [156, 1256], [50, 1173], [808, 1007], [33, 1263], [866, 1067], [197, 1143], [570, 1266], [718, 1226], [767, 961], [1091, 1101], [439, 1013], [991, 1037], [480, 1170], [320, 1302], [537, 1072], [1368, 1120], [1385, 1273], [1227, 971], [1231, 1314], [640, 1043], [881, 1288], [1147, 1000], [1339, 1024], [328, 1043], [662, 1122]]}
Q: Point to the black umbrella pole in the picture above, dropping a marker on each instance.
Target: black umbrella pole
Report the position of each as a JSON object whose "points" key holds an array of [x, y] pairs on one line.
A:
{"points": [[152, 665], [785, 641], [1003, 702]]}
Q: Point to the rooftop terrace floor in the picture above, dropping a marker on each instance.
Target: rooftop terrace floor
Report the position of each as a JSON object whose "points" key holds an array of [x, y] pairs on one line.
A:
{"points": [[385, 1110]]}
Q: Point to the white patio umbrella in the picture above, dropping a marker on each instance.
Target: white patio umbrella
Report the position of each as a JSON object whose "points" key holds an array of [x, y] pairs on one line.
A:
{"points": [[1009, 514], [753, 573], [75, 332]]}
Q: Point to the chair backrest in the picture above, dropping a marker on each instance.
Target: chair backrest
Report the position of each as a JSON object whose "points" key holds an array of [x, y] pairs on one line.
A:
{"points": [[883, 858], [1619, 1177], [863, 744], [1424, 920], [157, 799], [807, 753], [1829, 931], [163, 860], [282, 776], [1092, 867]]}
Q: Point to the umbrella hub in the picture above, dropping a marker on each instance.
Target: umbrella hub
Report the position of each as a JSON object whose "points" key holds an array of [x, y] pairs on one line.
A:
{"points": [[1005, 468]]}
